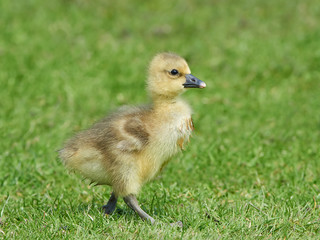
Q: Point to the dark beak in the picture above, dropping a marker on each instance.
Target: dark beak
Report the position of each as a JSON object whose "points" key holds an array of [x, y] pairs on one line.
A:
{"points": [[193, 82]]}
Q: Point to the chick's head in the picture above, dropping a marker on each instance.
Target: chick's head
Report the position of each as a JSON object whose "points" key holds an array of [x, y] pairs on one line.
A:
{"points": [[169, 75]]}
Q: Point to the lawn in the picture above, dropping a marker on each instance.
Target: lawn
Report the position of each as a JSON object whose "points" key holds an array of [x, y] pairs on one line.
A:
{"points": [[251, 170]]}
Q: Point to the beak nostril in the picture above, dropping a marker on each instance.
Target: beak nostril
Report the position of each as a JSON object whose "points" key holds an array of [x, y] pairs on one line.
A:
{"points": [[193, 82]]}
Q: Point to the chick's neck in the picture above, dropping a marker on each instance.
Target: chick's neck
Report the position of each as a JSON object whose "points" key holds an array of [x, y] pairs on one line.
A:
{"points": [[164, 99]]}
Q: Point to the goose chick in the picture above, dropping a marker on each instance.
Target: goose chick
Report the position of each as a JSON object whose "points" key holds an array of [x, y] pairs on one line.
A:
{"points": [[130, 146]]}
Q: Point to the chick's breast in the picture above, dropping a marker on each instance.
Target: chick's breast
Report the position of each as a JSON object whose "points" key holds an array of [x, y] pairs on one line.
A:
{"points": [[169, 128]]}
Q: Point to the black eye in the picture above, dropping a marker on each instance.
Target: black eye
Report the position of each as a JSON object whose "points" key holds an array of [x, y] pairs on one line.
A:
{"points": [[174, 72]]}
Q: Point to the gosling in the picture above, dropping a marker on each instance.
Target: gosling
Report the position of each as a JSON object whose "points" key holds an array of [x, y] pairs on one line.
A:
{"points": [[131, 146]]}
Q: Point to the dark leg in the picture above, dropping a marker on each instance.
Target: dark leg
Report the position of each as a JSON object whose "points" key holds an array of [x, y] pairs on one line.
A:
{"points": [[132, 202], [111, 205]]}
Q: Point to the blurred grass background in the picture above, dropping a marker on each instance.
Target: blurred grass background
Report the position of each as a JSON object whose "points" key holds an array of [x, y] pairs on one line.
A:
{"points": [[252, 168]]}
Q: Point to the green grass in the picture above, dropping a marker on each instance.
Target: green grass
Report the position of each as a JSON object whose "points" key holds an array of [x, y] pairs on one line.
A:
{"points": [[252, 168]]}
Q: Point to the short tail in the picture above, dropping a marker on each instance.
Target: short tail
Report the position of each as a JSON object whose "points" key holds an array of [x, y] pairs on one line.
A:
{"points": [[66, 153]]}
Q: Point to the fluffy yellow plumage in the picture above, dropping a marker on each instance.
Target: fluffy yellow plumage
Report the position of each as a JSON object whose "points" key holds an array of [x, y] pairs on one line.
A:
{"points": [[130, 146]]}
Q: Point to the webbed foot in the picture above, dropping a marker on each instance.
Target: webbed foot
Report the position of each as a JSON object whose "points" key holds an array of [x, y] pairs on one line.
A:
{"points": [[111, 205]]}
